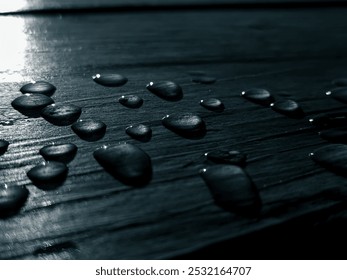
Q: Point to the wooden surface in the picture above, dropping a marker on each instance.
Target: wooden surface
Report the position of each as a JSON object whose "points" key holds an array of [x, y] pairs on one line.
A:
{"points": [[295, 54]]}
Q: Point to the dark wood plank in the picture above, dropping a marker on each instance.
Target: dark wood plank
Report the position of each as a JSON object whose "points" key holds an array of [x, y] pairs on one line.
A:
{"points": [[175, 213]]}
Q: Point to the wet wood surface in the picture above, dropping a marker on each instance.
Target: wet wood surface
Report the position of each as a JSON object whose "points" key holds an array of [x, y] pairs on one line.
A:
{"points": [[294, 54]]}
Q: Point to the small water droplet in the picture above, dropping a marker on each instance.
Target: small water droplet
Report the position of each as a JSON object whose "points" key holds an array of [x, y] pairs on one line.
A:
{"points": [[332, 157], [329, 120], [166, 90], [139, 132], [289, 108], [12, 198], [339, 94], [227, 157], [6, 123], [212, 104], [126, 162], [48, 175], [3, 146], [31, 104], [232, 189], [89, 130], [131, 101], [59, 152], [62, 114], [110, 80], [336, 135], [41, 87], [340, 82], [186, 125], [204, 80], [258, 96]]}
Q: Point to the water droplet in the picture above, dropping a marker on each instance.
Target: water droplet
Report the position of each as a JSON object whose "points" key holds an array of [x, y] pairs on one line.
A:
{"points": [[332, 157], [339, 94], [126, 162], [62, 152], [329, 120], [12, 198], [232, 189], [110, 80], [41, 87], [166, 90], [187, 125], [204, 80], [7, 123], [31, 104], [89, 130], [341, 82], [212, 104], [259, 96], [227, 157], [289, 108], [3, 146], [48, 175], [131, 101], [62, 114], [139, 132]]}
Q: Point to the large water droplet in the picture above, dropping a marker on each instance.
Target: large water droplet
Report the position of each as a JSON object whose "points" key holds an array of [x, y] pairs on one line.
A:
{"points": [[332, 157], [259, 96], [3, 146], [41, 87], [339, 94], [166, 90], [31, 104], [12, 198], [340, 82], [329, 120], [336, 135], [212, 104], [204, 80], [232, 189], [126, 162], [227, 157], [48, 175], [139, 132], [89, 130], [59, 152], [110, 80], [131, 101], [289, 108], [186, 125], [62, 114]]}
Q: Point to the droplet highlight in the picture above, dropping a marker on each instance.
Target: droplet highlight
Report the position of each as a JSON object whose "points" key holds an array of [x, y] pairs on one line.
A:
{"points": [[226, 157], [332, 157], [288, 107], [258, 96], [131, 101], [31, 104], [59, 152], [212, 104], [139, 132], [3, 146], [40, 87], [126, 162], [12, 199], [166, 90], [62, 114], [186, 125], [89, 130], [110, 80], [48, 175], [232, 189], [339, 94]]}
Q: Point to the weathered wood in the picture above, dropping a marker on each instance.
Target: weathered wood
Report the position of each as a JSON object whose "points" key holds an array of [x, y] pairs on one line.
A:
{"points": [[174, 214]]}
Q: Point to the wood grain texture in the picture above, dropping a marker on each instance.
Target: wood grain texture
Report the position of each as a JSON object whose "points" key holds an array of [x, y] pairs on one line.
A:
{"points": [[293, 54]]}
